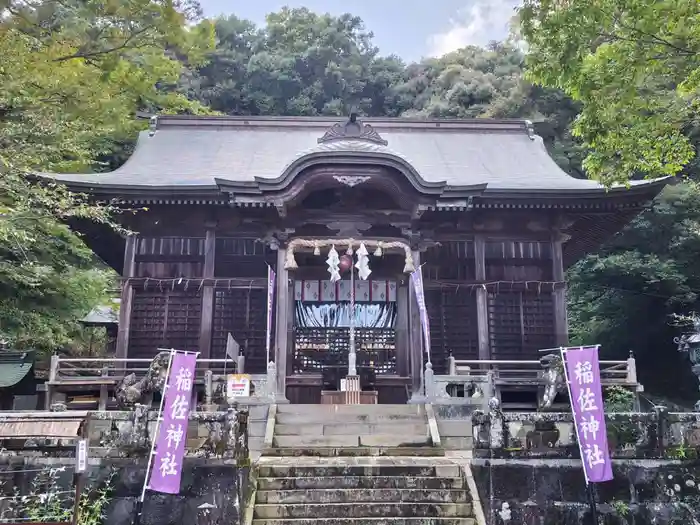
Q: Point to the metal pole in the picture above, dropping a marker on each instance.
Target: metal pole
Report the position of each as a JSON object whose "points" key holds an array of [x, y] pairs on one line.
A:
{"points": [[139, 504], [590, 489]]}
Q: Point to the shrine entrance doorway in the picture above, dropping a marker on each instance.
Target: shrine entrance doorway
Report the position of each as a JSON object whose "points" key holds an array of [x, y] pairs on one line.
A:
{"points": [[331, 318]]}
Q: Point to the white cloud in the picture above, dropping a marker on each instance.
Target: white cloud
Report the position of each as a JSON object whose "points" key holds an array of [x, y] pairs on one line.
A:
{"points": [[475, 24]]}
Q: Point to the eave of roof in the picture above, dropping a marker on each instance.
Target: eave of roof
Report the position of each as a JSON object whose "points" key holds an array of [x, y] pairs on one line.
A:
{"points": [[103, 315], [203, 160], [14, 366]]}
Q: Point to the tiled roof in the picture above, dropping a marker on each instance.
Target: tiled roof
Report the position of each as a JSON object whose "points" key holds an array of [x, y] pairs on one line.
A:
{"points": [[183, 153], [14, 366]]}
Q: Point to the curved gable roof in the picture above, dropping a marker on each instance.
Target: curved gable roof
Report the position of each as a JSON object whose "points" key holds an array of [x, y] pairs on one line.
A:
{"points": [[202, 152]]}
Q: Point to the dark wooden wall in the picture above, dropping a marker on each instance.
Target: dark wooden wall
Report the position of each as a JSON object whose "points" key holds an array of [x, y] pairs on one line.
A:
{"points": [[164, 318], [167, 257], [520, 310], [175, 302]]}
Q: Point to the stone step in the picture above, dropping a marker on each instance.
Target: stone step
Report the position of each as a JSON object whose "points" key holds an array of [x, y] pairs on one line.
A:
{"points": [[351, 409], [361, 482], [367, 521], [352, 496], [401, 427], [362, 510], [332, 452], [296, 429], [356, 467], [344, 428], [347, 441], [256, 442], [396, 440], [257, 428], [316, 441], [455, 427], [257, 412], [321, 418], [456, 443]]}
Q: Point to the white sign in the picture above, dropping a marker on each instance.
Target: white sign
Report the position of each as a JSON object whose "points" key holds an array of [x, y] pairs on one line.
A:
{"points": [[81, 449], [238, 385]]}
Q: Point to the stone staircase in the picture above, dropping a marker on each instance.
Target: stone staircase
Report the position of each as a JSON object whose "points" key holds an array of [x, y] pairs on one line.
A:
{"points": [[360, 491], [343, 430], [357, 465], [257, 423]]}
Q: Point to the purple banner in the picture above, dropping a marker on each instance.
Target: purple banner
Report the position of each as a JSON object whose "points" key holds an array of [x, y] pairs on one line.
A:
{"points": [[583, 373], [172, 432], [417, 278], [270, 303]]}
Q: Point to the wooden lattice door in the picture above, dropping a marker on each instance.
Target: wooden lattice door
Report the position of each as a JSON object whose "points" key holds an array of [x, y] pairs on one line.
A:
{"points": [[164, 319], [520, 324]]}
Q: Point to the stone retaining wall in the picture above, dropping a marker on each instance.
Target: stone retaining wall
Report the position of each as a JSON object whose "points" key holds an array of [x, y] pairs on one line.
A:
{"points": [[217, 484], [553, 491]]}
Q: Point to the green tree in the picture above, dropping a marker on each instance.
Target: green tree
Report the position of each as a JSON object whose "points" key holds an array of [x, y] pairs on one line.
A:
{"points": [[626, 296], [300, 63], [72, 77], [634, 65]]}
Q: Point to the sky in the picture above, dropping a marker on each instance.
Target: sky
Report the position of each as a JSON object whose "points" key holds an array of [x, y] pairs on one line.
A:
{"points": [[411, 30]]}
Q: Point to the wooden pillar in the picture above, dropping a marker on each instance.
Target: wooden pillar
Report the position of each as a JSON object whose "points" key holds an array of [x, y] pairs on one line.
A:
{"points": [[205, 329], [482, 298], [415, 337], [282, 322], [561, 325], [127, 296], [402, 336]]}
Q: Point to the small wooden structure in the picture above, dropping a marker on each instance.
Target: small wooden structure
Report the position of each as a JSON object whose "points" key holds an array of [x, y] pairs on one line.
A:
{"points": [[18, 384], [478, 203]]}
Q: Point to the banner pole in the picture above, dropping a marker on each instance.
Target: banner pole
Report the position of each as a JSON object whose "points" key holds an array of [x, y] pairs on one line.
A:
{"points": [[590, 489], [589, 486], [270, 287], [139, 504]]}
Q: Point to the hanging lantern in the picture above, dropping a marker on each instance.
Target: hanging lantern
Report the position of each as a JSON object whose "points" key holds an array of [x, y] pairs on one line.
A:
{"points": [[345, 263]]}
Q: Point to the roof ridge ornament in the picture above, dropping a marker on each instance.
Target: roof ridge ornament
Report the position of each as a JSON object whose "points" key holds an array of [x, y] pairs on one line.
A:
{"points": [[353, 129], [152, 125], [530, 128]]}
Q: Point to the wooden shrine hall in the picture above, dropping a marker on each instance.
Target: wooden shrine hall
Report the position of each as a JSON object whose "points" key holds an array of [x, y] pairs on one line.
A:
{"points": [[478, 204]]}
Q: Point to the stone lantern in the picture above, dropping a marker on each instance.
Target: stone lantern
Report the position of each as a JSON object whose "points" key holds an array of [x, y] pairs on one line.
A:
{"points": [[690, 343]]}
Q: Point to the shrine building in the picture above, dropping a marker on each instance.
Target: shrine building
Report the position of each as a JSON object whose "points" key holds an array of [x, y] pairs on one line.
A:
{"points": [[479, 205]]}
